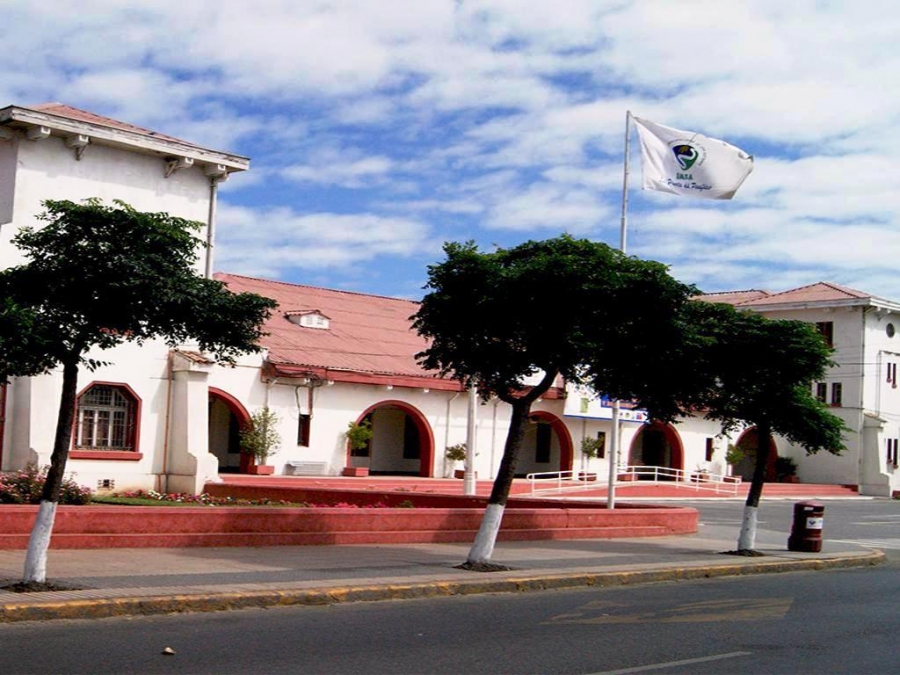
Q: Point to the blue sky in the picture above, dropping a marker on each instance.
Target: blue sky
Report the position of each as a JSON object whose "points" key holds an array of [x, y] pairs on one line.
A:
{"points": [[378, 129]]}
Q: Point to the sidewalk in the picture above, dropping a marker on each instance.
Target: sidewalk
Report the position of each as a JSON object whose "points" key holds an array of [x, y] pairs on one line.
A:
{"points": [[118, 582]]}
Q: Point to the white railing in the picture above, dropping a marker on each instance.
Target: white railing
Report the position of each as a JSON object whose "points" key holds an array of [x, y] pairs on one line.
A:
{"points": [[687, 480], [562, 481]]}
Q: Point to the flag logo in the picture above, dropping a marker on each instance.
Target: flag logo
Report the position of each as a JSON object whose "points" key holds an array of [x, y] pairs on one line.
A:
{"points": [[686, 155]]}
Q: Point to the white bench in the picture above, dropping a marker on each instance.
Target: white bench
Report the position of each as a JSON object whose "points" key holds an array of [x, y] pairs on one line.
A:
{"points": [[300, 468]]}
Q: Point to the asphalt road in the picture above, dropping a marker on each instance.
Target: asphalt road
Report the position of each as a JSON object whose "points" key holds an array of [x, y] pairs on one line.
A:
{"points": [[815, 622]]}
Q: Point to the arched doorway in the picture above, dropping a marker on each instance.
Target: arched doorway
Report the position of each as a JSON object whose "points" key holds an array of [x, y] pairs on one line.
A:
{"points": [[227, 416], [547, 446], [657, 444], [747, 443], [402, 442]]}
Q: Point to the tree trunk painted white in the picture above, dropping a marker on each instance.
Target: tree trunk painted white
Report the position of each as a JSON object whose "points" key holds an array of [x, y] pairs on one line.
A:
{"points": [[483, 548], [39, 543], [747, 537]]}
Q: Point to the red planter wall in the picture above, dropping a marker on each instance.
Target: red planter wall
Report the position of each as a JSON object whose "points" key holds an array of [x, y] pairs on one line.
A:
{"points": [[137, 526]]}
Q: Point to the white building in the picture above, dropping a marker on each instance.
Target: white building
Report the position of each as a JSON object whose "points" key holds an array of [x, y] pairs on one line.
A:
{"points": [[861, 387], [168, 420]]}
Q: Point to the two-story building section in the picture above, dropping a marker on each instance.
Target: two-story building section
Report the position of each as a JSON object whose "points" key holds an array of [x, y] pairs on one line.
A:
{"points": [[56, 152], [861, 387]]}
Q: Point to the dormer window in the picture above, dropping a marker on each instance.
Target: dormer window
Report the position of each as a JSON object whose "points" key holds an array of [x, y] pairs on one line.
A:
{"points": [[310, 318]]}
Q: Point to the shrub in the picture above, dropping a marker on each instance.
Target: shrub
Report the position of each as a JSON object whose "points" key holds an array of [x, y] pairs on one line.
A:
{"points": [[456, 453], [260, 438], [25, 487], [359, 435]]}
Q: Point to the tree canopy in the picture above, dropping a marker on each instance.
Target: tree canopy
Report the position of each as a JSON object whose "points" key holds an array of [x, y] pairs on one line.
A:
{"points": [[542, 309], [562, 306], [101, 275], [762, 370], [97, 276]]}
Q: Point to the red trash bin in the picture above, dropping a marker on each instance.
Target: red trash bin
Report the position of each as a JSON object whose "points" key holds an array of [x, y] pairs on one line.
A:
{"points": [[806, 530]]}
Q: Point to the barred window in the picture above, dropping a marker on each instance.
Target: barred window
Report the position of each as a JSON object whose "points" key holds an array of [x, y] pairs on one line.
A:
{"points": [[106, 419]]}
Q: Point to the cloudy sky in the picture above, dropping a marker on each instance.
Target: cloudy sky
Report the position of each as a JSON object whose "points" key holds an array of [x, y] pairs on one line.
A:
{"points": [[378, 129]]}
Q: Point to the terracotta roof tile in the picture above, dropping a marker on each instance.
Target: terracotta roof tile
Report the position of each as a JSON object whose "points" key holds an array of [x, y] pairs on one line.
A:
{"points": [[819, 292], [732, 297], [367, 334], [62, 110], [196, 357]]}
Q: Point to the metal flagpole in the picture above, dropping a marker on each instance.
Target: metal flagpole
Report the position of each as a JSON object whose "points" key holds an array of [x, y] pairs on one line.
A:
{"points": [[469, 485], [615, 438]]}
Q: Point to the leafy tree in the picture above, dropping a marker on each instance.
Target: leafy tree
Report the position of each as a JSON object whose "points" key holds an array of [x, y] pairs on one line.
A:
{"points": [[98, 276], [561, 307], [762, 372]]}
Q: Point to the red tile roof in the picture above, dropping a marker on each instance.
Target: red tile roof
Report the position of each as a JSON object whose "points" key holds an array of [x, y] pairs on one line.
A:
{"points": [[819, 292], [732, 297], [62, 110], [367, 333]]}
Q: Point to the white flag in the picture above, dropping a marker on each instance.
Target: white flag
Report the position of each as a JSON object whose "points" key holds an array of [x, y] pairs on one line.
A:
{"points": [[690, 164]]}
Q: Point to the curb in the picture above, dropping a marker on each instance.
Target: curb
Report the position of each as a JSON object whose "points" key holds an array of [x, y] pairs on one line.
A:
{"points": [[99, 608]]}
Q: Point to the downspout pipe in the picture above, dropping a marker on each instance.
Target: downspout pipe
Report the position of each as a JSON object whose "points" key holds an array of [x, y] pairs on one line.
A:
{"points": [[216, 174]]}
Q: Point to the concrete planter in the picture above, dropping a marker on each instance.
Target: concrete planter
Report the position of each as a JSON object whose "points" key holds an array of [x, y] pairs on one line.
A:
{"points": [[260, 470]]}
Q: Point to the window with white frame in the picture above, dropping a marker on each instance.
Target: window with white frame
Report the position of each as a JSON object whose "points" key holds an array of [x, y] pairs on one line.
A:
{"points": [[106, 416]]}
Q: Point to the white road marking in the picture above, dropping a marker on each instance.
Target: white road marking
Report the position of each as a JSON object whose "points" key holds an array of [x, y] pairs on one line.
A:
{"points": [[673, 664]]}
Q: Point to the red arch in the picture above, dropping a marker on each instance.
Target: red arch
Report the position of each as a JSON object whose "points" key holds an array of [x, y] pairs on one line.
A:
{"points": [[566, 451], [748, 435], [672, 438], [237, 409], [426, 436]]}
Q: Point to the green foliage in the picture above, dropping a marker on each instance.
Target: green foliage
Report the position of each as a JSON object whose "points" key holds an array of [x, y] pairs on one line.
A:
{"points": [[760, 372], [260, 437], [101, 275], [784, 467], [734, 455], [591, 447], [359, 435], [563, 306], [25, 487], [98, 276], [456, 453]]}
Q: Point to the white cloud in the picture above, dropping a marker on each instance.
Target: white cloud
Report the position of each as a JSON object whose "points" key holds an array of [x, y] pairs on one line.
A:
{"points": [[502, 115], [549, 206], [267, 242], [329, 166]]}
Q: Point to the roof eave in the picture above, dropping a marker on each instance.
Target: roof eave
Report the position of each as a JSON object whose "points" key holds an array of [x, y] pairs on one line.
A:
{"points": [[812, 304], [14, 116]]}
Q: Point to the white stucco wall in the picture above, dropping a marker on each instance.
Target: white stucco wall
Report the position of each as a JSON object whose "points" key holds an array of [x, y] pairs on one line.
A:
{"points": [[33, 171], [46, 169]]}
